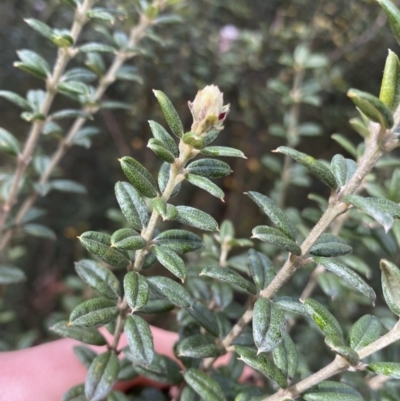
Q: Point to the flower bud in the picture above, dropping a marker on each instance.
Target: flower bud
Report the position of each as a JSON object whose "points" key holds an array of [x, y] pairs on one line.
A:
{"points": [[208, 110]]}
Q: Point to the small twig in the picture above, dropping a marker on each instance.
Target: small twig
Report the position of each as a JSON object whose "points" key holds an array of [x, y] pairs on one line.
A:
{"points": [[64, 56]]}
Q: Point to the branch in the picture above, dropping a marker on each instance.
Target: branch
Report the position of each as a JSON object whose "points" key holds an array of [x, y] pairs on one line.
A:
{"points": [[109, 78], [64, 56]]}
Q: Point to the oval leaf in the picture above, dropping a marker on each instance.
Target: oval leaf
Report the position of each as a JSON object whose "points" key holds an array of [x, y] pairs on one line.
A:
{"points": [[205, 386], [132, 205], [102, 375], [209, 168], [140, 340], [229, 276], [372, 107], [11, 275], [223, 151], [171, 290], [261, 363], [364, 331], [8, 143], [390, 88], [94, 312], [323, 318], [199, 346], [195, 218], [180, 241], [275, 237], [136, 290], [87, 335], [99, 278], [349, 276], [286, 357], [171, 261], [205, 317], [391, 369], [139, 177], [332, 391], [275, 214], [127, 239], [206, 184], [99, 244], [162, 135], [269, 325], [261, 269], [393, 16], [170, 114], [391, 285]]}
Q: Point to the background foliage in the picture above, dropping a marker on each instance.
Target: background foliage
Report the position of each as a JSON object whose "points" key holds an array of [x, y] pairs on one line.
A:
{"points": [[246, 49]]}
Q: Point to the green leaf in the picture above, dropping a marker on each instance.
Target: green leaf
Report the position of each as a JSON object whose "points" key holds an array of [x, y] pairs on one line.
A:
{"points": [[127, 239], [261, 269], [11, 275], [85, 355], [290, 304], [99, 244], [126, 370], [329, 245], [33, 63], [222, 294], [205, 386], [8, 143], [332, 391], [170, 114], [209, 168], [71, 113], [163, 178], [286, 357], [161, 370], [102, 14], [99, 278], [180, 241], [391, 285], [199, 346], [160, 206], [261, 363], [162, 135], [161, 150], [230, 276], [171, 261], [188, 394], [96, 48], [223, 151], [140, 340], [364, 331], [115, 105], [16, 99], [88, 335], [132, 205], [323, 318], [390, 86], [349, 276], [139, 177], [62, 40], [38, 230], [383, 211], [71, 3], [40, 27], [195, 218], [68, 186], [336, 345], [102, 375], [391, 369], [372, 107], [393, 16], [206, 184], [275, 237], [76, 393], [136, 290], [171, 290], [269, 325], [73, 88], [95, 62], [275, 214], [339, 170], [155, 306], [205, 317], [317, 168], [93, 313]]}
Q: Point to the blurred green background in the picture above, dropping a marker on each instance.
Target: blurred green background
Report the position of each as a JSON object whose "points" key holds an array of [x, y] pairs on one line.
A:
{"points": [[238, 45]]}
